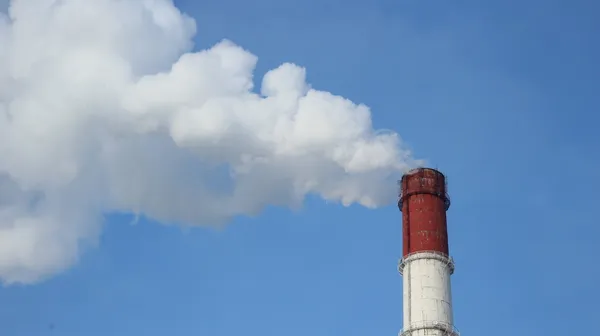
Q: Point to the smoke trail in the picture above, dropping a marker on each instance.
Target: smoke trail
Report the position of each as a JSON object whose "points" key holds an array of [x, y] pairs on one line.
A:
{"points": [[103, 107]]}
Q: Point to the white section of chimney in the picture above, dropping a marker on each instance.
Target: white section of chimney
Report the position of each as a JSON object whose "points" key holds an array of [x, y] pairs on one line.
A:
{"points": [[427, 297]]}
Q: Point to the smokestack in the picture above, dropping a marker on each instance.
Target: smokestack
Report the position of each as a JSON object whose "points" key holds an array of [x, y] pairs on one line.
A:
{"points": [[426, 265]]}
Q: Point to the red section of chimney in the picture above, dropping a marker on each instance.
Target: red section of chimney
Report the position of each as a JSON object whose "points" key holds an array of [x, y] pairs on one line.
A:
{"points": [[423, 202]]}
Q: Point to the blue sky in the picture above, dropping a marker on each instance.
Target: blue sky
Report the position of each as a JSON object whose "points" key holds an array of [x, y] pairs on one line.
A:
{"points": [[501, 96]]}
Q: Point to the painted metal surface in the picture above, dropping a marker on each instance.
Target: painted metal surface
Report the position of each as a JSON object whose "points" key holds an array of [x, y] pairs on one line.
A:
{"points": [[427, 305], [423, 202]]}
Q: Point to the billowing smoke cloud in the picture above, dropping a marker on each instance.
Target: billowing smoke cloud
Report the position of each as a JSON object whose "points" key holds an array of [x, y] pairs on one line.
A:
{"points": [[104, 108]]}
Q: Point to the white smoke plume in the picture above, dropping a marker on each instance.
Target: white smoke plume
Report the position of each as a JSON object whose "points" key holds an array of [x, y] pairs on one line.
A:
{"points": [[105, 108]]}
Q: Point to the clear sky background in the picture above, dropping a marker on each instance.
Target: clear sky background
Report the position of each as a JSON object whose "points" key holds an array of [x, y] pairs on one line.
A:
{"points": [[502, 96]]}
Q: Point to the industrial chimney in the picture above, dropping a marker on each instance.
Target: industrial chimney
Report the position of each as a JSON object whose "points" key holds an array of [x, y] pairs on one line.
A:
{"points": [[426, 265]]}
